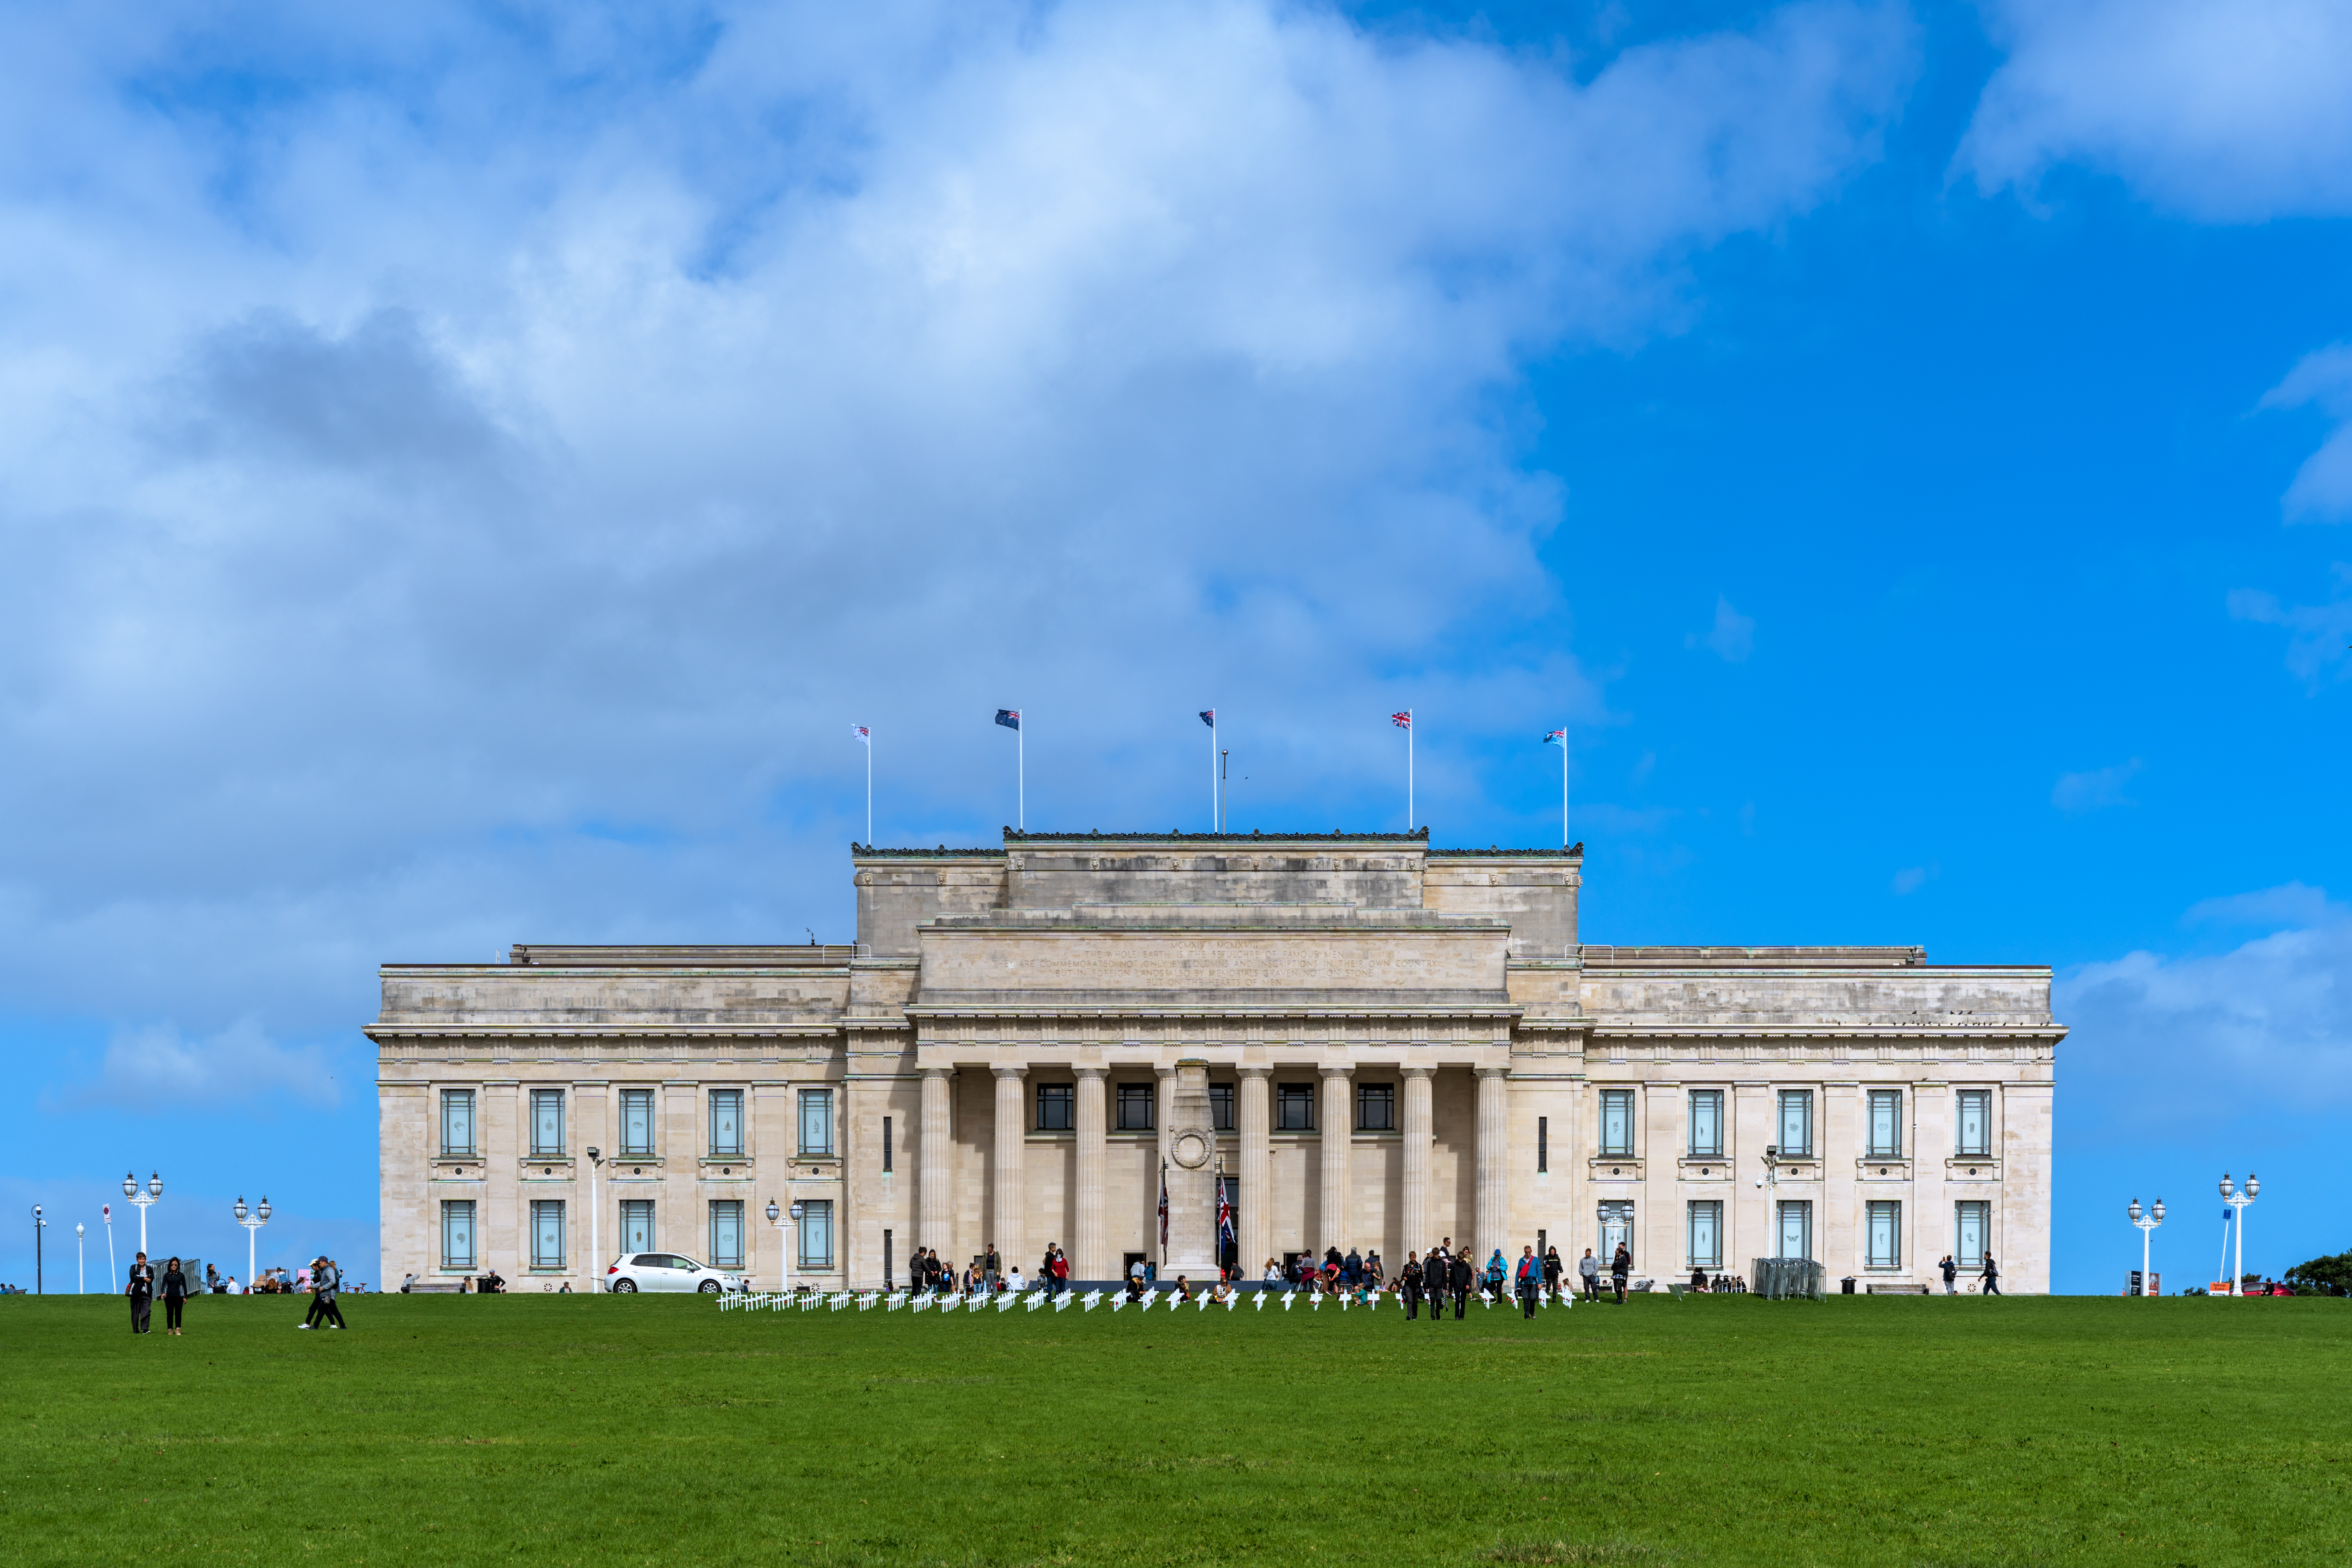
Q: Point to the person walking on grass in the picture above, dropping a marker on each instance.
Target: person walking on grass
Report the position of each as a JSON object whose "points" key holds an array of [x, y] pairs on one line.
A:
{"points": [[1951, 1275], [1588, 1269], [1408, 1286], [141, 1292], [175, 1296], [330, 1286], [1530, 1282], [1551, 1272], [1465, 1276], [1619, 1268], [1991, 1277]]}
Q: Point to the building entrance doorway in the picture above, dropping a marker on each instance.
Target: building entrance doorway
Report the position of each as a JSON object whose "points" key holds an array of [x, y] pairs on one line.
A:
{"points": [[1128, 1262]]}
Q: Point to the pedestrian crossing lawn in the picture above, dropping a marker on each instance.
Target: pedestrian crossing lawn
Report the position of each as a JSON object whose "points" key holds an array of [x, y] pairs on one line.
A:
{"points": [[561, 1429]]}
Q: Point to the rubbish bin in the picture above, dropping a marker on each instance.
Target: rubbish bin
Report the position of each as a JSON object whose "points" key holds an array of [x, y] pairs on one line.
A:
{"points": [[1846, 1284]]}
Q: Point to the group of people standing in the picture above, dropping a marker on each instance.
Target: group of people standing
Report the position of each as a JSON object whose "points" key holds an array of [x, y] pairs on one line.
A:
{"points": [[146, 1282]]}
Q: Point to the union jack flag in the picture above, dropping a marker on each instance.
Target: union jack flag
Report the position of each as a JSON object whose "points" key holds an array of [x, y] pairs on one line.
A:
{"points": [[1402, 720], [1224, 1215], [1209, 717], [861, 733]]}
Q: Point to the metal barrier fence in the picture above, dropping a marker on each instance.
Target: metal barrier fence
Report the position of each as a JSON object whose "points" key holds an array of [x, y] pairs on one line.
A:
{"points": [[1788, 1279]]}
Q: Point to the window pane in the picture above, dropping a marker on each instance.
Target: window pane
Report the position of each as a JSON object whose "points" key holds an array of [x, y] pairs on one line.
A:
{"points": [[1976, 1121], [1376, 1108], [547, 1121], [547, 1234], [1885, 1240], [457, 1234], [1796, 1123], [1796, 1229], [1617, 1122], [1294, 1107], [457, 1121], [1135, 1106], [1886, 1124], [727, 1121], [1707, 1235], [637, 1226], [816, 1234], [1056, 1107], [1220, 1107], [816, 1121], [727, 1234], [1970, 1223], [1706, 1122], [637, 1121]]}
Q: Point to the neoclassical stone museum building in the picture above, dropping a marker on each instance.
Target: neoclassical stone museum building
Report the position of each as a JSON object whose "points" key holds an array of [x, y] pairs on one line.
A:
{"points": [[1370, 1043]]}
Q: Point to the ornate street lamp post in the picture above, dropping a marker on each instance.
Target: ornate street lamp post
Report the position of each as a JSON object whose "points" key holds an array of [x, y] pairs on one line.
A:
{"points": [[2239, 1201], [784, 1236], [595, 1221], [2147, 1223], [82, 1276], [39, 1225], [252, 1231], [144, 1200]]}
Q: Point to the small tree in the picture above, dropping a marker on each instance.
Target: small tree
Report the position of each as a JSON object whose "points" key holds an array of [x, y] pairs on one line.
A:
{"points": [[2323, 1275]]}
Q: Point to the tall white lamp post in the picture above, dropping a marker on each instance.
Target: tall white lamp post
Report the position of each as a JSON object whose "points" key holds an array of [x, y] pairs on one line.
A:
{"points": [[106, 1212], [595, 1221], [39, 1225], [144, 1200], [784, 1236], [259, 1217], [2236, 1200], [82, 1276], [2146, 1222]]}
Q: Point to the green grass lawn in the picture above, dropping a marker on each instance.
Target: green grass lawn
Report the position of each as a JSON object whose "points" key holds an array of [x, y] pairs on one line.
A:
{"points": [[658, 1429]]}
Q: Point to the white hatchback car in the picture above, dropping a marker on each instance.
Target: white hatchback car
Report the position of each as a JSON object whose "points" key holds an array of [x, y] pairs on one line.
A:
{"points": [[635, 1271]]}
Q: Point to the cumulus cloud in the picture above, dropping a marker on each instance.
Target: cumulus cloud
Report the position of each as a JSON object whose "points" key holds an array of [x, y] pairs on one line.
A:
{"points": [[461, 479], [1732, 638], [2094, 791], [2289, 904], [2322, 489], [2230, 112], [158, 1068], [2185, 1038], [2321, 631]]}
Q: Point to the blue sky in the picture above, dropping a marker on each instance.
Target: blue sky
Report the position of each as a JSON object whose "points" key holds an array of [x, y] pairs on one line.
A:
{"points": [[466, 468]]}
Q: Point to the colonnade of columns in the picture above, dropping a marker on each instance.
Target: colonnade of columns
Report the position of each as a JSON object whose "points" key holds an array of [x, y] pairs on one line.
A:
{"points": [[1007, 1219]]}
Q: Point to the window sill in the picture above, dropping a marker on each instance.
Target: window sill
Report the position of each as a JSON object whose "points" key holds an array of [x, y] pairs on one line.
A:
{"points": [[1965, 1167], [1706, 1168], [1615, 1168], [726, 1168], [636, 1165], [1884, 1169]]}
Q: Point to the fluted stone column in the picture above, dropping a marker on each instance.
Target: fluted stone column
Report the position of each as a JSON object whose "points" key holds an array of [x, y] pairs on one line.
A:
{"points": [[1089, 1261], [1420, 1139], [1004, 1210], [935, 1174], [1338, 1120], [1493, 1161], [1253, 1120]]}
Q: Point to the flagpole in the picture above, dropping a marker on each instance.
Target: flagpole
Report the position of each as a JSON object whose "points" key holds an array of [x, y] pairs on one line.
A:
{"points": [[1563, 788], [1020, 773], [1216, 812], [869, 789], [1408, 769]]}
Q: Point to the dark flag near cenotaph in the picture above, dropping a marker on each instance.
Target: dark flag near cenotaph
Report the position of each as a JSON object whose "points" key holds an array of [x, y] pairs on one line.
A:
{"points": [[1010, 719]]}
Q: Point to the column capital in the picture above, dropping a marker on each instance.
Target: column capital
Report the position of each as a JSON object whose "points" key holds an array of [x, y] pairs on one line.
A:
{"points": [[1164, 1072], [1418, 1071], [1493, 1072], [940, 1073], [1090, 1075], [1331, 1072], [1004, 1073], [1255, 1071]]}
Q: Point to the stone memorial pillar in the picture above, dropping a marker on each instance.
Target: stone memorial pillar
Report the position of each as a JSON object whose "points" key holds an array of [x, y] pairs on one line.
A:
{"points": [[1191, 1177]]}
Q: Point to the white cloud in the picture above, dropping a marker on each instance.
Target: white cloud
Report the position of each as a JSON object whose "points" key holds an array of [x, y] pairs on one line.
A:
{"points": [[1911, 879], [462, 494], [1732, 638], [157, 1069], [2232, 113], [2322, 489], [2077, 793], [2184, 1039], [2321, 631], [2289, 904]]}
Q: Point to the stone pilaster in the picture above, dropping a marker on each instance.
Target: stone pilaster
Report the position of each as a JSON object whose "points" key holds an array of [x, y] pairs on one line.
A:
{"points": [[1493, 1203], [1088, 1260], [1254, 1118], [1417, 1138], [1338, 1121], [1004, 1206], [935, 1170]]}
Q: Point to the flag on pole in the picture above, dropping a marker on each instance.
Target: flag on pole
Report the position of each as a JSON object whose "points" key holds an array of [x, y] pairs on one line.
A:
{"points": [[1163, 1208], [1401, 720], [862, 733], [1556, 738], [1208, 717], [1225, 1215], [865, 737], [1560, 738], [1009, 717], [1216, 796]]}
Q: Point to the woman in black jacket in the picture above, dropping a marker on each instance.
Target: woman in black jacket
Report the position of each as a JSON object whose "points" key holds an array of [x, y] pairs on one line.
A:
{"points": [[175, 1292]]}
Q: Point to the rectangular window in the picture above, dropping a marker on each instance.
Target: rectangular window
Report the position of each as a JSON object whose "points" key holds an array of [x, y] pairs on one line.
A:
{"points": [[1707, 1235], [1135, 1101], [1972, 1233], [1883, 1245], [886, 1157], [547, 1233], [1617, 1124], [638, 1224], [637, 1122], [546, 1124], [1543, 1144], [1616, 1230], [1294, 1107], [1376, 1108], [727, 1233], [1976, 1123], [1220, 1107], [458, 1233], [1797, 1229], [1886, 1124], [1058, 1107], [816, 1234], [727, 1122], [816, 1121], [457, 1121], [1796, 1131], [1707, 1123]]}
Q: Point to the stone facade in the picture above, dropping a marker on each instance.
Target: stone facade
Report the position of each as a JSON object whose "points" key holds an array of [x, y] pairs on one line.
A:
{"points": [[1376, 1044]]}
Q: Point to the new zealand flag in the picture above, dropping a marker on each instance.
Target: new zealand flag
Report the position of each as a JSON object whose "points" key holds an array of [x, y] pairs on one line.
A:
{"points": [[1009, 717]]}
